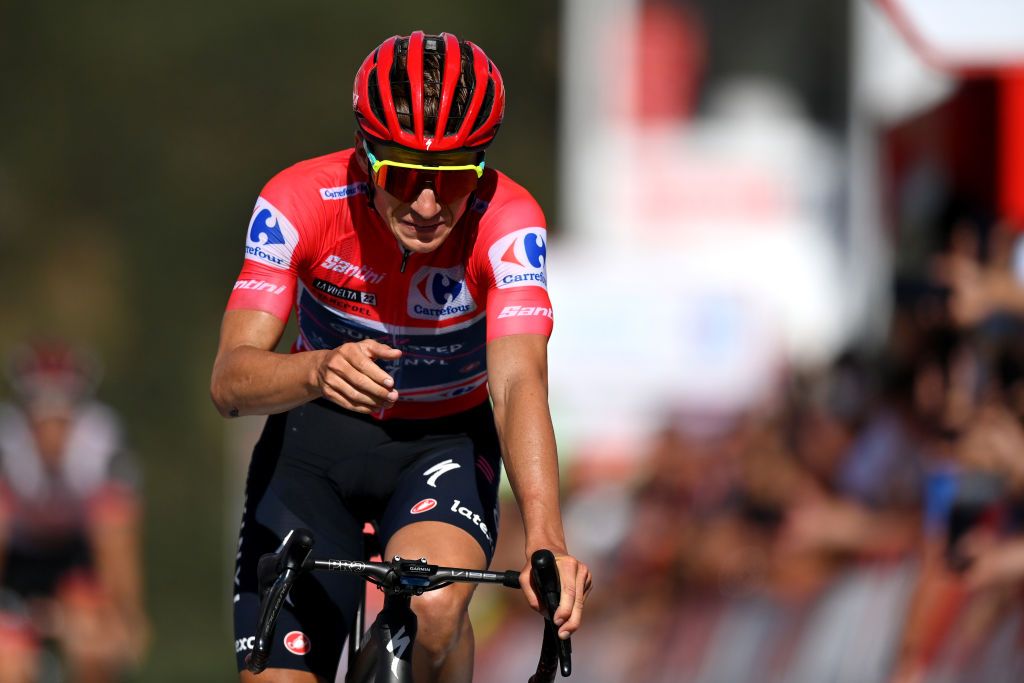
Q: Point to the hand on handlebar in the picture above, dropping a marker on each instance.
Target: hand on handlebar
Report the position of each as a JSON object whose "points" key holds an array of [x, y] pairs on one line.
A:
{"points": [[576, 583]]}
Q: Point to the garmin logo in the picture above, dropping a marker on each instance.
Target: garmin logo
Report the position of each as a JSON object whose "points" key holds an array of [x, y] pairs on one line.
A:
{"points": [[343, 192]]}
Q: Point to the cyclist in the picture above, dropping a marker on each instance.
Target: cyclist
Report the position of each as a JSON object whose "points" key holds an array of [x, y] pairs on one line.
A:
{"points": [[418, 276], [70, 569]]}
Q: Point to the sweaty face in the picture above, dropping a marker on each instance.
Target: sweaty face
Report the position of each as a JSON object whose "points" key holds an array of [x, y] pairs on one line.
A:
{"points": [[420, 224]]}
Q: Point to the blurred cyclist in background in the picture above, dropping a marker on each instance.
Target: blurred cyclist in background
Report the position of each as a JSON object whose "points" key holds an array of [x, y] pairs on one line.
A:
{"points": [[70, 569]]}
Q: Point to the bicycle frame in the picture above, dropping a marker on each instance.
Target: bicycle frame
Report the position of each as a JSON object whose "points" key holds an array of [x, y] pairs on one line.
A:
{"points": [[386, 655]]}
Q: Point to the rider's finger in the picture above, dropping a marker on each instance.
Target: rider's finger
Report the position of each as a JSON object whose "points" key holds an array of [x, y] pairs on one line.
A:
{"points": [[365, 398], [583, 584], [334, 396], [378, 350], [567, 571], [526, 584], [376, 389], [364, 363]]}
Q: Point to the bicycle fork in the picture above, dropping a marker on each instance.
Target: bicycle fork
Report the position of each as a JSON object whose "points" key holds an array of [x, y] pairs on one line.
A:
{"points": [[386, 656]]}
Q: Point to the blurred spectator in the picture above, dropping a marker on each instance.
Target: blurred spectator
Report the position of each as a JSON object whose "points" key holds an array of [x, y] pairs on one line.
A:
{"points": [[864, 524], [984, 269], [965, 593], [70, 569]]}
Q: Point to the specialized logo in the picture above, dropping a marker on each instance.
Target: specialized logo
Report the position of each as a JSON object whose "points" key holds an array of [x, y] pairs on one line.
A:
{"points": [[297, 643], [520, 259], [396, 646], [365, 273], [243, 644], [260, 286], [471, 516], [343, 192], [517, 311], [271, 238], [353, 295], [435, 472], [423, 506], [440, 293]]}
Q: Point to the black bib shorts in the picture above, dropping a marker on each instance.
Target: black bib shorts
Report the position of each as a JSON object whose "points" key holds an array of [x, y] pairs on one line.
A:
{"points": [[330, 470]]}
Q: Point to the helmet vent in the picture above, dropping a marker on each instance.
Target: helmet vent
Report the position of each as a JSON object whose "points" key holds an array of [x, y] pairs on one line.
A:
{"points": [[373, 92], [467, 81], [485, 107]]}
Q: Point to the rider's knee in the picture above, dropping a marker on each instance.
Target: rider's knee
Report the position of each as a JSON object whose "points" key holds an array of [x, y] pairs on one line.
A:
{"points": [[441, 617]]}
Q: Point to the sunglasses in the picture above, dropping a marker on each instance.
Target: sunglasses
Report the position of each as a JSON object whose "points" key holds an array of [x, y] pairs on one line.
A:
{"points": [[406, 181]]}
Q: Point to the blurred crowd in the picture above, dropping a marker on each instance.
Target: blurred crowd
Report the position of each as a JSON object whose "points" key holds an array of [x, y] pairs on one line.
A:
{"points": [[863, 525]]}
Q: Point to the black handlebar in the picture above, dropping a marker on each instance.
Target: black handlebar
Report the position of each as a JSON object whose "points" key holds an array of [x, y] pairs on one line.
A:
{"points": [[554, 650], [413, 577], [277, 573]]}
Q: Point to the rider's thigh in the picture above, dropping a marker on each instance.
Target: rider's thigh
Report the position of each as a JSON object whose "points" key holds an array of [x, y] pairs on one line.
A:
{"points": [[280, 676]]}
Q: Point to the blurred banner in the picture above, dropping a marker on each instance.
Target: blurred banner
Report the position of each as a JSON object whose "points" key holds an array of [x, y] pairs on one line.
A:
{"points": [[702, 244]]}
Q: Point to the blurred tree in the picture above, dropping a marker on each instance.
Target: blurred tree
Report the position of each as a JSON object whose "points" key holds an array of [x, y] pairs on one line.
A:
{"points": [[136, 138]]}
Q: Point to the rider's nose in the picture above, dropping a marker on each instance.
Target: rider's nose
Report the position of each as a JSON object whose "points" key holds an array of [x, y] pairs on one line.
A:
{"points": [[426, 204]]}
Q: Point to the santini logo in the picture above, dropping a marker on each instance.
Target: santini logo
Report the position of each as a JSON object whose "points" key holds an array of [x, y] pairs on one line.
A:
{"points": [[336, 264], [260, 286], [516, 311]]}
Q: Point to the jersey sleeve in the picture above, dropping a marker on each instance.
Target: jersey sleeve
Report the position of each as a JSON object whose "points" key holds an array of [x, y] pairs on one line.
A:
{"points": [[511, 252], [275, 243]]}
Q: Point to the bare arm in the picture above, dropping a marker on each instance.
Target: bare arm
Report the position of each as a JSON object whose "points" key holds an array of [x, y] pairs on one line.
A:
{"points": [[517, 374], [116, 543], [249, 378]]}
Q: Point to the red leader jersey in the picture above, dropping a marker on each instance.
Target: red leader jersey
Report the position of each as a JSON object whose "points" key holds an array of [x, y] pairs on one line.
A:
{"points": [[316, 241]]}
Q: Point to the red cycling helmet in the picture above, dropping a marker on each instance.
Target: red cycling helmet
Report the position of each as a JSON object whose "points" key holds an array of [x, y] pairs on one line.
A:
{"points": [[396, 99]]}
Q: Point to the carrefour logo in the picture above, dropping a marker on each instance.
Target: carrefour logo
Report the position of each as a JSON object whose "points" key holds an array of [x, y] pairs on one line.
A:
{"points": [[271, 238], [535, 248], [440, 289], [520, 258], [440, 293], [343, 192], [264, 229]]}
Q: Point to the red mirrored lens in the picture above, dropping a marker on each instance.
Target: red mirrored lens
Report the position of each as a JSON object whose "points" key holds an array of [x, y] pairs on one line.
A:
{"points": [[406, 184]]}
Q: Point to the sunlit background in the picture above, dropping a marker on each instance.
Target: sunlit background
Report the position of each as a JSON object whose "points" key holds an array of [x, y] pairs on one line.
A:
{"points": [[753, 212]]}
